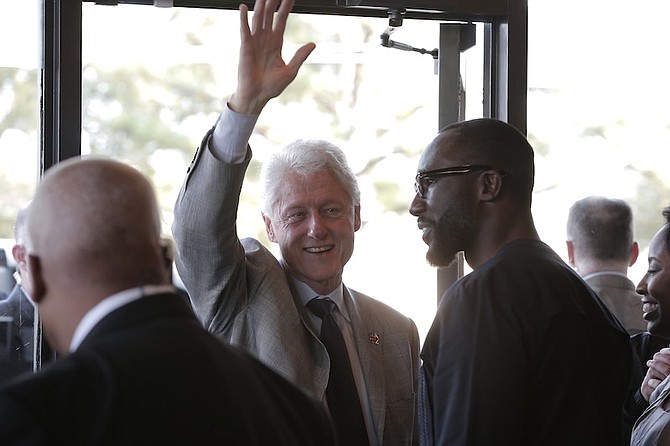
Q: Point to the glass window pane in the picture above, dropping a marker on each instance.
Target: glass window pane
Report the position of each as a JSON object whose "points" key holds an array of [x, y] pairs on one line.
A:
{"points": [[20, 63], [152, 91], [597, 111]]}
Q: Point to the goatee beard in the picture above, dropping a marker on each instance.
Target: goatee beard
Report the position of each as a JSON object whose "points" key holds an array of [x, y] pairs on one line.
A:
{"points": [[441, 262]]}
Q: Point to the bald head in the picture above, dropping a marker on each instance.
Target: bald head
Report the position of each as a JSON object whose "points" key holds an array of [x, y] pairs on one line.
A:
{"points": [[98, 219], [95, 230]]}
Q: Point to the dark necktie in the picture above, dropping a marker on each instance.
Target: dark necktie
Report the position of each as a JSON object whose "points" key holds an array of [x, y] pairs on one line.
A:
{"points": [[343, 402]]}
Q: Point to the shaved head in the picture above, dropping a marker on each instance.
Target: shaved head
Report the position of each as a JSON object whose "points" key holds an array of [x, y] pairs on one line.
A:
{"points": [[492, 142], [93, 215], [95, 230]]}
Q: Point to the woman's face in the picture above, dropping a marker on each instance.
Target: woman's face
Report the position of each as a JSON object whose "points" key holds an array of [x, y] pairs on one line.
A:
{"points": [[655, 286]]}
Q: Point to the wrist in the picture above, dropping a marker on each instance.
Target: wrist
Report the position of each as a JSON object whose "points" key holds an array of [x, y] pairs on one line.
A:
{"points": [[246, 106]]}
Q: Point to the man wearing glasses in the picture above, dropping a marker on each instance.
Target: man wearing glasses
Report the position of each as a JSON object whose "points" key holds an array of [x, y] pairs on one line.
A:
{"points": [[521, 350]]}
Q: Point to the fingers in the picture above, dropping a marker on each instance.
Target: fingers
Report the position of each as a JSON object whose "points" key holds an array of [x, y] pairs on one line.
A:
{"points": [[648, 388], [651, 380], [257, 18], [659, 369], [282, 15], [653, 373], [268, 14], [660, 363], [653, 383], [244, 22], [263, 17], [262, 72]]}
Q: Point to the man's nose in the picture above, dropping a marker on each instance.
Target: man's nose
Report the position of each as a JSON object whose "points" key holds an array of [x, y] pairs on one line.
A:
{"points": [[316, 225], [417, 205]]}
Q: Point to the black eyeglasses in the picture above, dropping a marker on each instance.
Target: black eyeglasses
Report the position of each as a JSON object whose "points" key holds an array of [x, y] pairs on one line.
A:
{"points": [[425, 179]]}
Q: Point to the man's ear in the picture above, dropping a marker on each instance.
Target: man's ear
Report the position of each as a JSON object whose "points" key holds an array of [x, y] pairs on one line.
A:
{"points": [[38, 285], [634, 252], [268, 229], [19, 253], [357, 217], [571, 252], [491, 185]]}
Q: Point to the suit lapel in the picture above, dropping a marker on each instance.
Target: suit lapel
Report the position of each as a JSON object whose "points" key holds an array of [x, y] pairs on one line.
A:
{"points": [[369, 339]]}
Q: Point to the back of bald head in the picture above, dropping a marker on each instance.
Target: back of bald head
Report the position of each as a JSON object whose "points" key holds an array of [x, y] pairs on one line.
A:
{"points": [[96, 221], [497, 144]]}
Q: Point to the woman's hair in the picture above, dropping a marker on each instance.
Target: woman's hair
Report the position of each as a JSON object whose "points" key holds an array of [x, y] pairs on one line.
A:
{"points": [[306, 157]]}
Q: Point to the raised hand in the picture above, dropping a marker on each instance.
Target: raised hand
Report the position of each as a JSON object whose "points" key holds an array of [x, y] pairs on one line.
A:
{"points": [[262, 73]]}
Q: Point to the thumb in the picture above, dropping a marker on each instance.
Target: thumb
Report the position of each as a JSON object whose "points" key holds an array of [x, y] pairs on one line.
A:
{"points": [[301, 56]]}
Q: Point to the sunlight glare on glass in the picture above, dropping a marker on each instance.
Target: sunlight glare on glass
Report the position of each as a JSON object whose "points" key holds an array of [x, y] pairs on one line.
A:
{"points": [[21, 33]]}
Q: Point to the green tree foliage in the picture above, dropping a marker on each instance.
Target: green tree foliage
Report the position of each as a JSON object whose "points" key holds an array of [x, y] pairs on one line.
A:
{"points": [[19, 109], [131, 112]]}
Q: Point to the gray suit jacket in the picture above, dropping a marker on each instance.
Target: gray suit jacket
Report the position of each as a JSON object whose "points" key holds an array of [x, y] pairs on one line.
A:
{"points": [[618, 293], [240, 292]]}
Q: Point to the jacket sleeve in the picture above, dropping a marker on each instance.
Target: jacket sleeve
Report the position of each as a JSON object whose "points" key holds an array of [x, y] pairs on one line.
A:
{"points": [[210, 258]]}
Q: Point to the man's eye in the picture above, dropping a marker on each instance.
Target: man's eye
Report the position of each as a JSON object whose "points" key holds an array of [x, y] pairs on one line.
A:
{"points": [[332, 212], [293, 217], [425, 183]]}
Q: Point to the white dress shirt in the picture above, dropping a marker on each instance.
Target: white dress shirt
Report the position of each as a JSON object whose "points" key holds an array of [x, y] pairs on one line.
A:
{"points": [[343, 320]]}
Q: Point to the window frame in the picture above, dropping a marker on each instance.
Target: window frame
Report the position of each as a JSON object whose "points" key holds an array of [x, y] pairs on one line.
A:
{"points": [[504, 70]]}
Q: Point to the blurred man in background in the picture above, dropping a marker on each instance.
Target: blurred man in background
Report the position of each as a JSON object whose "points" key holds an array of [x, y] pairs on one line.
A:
{"points": [[601, 248]]}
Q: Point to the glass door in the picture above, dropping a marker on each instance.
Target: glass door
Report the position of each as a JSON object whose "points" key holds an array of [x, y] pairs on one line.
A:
{"points": [[20, 135]]}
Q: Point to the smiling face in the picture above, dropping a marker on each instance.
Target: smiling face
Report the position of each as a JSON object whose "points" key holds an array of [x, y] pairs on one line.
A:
{"points": [[314, 223], [655, 286]]}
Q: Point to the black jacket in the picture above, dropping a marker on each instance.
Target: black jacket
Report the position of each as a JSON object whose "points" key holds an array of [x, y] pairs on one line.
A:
{"points": [[147, 374]]}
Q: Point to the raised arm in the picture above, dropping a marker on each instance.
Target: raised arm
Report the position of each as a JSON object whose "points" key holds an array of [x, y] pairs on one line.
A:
{"points": [[262, 73], [211, 261]]}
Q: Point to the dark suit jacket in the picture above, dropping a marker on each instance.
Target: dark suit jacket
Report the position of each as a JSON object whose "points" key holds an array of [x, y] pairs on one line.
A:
{"points": [[241, 293], [17, 315], [148, 374]]}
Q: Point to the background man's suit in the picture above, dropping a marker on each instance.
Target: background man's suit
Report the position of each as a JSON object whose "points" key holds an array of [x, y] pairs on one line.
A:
{"points": [[148, 374], [618, 293], [241, 293]]}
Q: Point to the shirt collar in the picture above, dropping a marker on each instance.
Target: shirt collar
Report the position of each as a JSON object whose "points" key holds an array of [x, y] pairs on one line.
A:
{"points": [[109, 304], [604, 273], [306, 293]]}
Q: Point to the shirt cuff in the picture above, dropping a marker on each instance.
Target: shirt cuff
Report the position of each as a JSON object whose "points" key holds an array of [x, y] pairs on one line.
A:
{"points": [[231, 135]]}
